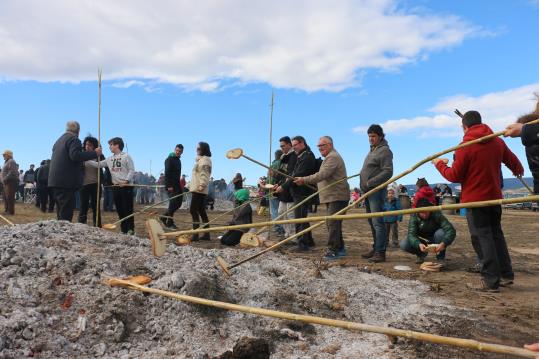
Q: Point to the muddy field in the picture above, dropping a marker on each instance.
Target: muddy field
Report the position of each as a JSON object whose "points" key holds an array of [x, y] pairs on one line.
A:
{"points": [[351, 289]]}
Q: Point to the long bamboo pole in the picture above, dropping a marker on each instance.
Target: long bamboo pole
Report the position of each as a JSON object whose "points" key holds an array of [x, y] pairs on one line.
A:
{"points": [[7, 220], [98, 205], [269, 168], [494, 202], [113, 225], [525, 184], [270, 153], [377, 188], [392, 332], [282, 215]]}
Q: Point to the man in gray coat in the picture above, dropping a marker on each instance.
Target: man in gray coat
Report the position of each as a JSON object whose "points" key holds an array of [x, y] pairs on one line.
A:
{"points": [[66, 169], [377, 169], [336, 197]]}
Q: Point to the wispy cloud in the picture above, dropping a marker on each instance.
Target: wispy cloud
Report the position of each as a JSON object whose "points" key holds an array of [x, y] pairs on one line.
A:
{"points": [[307, 44], [127, 84], [497, 110]]}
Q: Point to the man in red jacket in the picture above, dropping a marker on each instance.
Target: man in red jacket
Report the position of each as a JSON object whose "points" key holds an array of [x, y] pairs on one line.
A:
{"points": [[477, 169]]}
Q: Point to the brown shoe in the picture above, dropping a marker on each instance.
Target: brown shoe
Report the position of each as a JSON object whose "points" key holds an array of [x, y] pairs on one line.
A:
{"points": [[368, 254], [378, 257]]}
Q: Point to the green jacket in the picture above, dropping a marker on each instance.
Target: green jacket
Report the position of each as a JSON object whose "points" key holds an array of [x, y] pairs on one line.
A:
{"points": [[426, 228]]}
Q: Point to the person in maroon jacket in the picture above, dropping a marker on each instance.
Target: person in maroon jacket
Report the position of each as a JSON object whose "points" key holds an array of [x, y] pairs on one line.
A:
{"points": [[477, 169]]}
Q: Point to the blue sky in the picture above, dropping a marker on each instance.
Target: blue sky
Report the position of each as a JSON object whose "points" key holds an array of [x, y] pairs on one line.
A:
{"points": [[177, 74]]}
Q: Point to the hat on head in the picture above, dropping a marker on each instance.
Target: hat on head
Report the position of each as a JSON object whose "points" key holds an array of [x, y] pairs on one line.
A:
{"points": [[376, 129], [242, 195]]}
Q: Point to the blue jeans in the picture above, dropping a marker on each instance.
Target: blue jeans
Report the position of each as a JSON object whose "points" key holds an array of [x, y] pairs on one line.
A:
{"points": [[436, 239], [274, 210], [375, 203]]}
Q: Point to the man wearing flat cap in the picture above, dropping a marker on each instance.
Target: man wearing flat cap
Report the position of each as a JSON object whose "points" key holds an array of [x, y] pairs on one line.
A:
{"points": [[10, 179]]}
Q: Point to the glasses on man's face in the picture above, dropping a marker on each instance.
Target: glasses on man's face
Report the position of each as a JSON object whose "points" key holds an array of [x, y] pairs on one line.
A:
{"points": [[322, 145]]}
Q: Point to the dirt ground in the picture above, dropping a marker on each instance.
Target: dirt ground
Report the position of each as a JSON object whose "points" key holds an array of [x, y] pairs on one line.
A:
{"points": [[513, 314]]}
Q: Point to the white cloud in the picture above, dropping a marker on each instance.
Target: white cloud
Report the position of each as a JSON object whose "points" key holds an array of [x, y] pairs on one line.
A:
{"points": [[127, 84], [497, 110], [310, 45]]}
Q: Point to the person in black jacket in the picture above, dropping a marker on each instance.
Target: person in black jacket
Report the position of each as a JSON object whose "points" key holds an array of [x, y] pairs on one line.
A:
{"points": [[305, 165], [530, 139], [46, 194], [288, 161], [66, 169], [173, 170]]}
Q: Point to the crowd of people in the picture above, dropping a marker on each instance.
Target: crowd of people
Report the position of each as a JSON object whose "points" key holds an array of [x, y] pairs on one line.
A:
{"points": [[77, 168]]}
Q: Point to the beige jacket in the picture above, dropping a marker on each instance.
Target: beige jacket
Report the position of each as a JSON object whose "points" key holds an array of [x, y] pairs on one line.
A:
{"points": [[331, 170], [200, 177]]}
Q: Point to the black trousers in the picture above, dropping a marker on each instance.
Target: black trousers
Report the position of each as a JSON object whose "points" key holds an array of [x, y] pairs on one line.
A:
{"points": [[123, 200], [175, 203], [197, 209], [46, 196], [486, 230], [65, 203], [335, 240], [302, 212], [231, 238], [88, 199]]}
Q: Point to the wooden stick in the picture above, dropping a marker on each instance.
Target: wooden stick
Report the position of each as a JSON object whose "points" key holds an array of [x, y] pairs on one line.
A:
{"points": [[136, 185], [431, 338], [113, 225], [98, 205], [7, 220], [282, 215], [270, 153], [376, 189], [340, 217], [525, 184], [269, 168]]}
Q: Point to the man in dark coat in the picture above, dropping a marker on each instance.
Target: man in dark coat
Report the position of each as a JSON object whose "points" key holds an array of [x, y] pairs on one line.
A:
{"points": [[173, 170], [305, 166], [66, 169], [286, 166]]}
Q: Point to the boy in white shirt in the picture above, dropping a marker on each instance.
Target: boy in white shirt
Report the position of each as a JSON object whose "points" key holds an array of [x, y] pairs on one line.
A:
{"points": [[122, 170]]}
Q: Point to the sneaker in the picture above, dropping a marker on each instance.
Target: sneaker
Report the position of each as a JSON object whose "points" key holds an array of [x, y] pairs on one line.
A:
{"points": [[368, 254], [420, 258], [481, 286], [310, 243], [378, 257], [506, 282], [331, 255], [130, 232]]}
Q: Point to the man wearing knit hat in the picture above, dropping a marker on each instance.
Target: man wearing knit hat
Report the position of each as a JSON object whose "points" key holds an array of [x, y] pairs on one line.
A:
{"points": [[243, 214], [377, 169], [10, 179]]}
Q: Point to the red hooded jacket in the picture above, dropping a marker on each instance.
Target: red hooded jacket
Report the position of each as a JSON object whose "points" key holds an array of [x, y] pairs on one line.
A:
{"points": [[478, 167], [424, 192]]}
